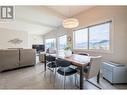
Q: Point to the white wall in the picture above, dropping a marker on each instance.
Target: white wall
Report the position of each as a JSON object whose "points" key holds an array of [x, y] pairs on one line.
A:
{"points": [[118, 15], [27, 20], [119, 29], [7, 34], [34, 39], [28, 39], [60, 31]]}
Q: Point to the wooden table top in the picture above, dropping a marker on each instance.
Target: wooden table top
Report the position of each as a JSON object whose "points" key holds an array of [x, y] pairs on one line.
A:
{"points": [[76, 59]]}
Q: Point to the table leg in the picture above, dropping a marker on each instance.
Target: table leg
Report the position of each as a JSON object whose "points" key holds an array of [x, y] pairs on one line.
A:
{"points": [[45, 62], [98, 77], [81, 77]]}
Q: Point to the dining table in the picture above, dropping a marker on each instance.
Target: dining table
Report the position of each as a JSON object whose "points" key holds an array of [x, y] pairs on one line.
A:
{"points": [[80, 61]]}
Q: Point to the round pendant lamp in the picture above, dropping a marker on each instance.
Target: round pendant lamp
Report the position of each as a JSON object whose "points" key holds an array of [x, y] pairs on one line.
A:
{"points": [[70, 23]]}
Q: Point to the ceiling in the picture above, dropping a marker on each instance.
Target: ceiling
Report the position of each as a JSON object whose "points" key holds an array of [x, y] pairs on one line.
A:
{"points": [[69, 11], [41, 19]]}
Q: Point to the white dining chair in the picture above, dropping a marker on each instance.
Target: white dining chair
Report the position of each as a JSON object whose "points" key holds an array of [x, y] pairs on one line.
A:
{"points": [[93, 69]]}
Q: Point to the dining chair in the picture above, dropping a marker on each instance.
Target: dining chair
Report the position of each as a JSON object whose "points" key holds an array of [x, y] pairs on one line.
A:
{"points": [[88, 66], [51, 64], [93, 69], [65, 69], [86, 54]]}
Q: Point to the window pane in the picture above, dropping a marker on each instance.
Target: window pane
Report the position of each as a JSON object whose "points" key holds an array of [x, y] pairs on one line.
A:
{"points": [[50, 43], [99, 37], [81, 39], [62, 42]]}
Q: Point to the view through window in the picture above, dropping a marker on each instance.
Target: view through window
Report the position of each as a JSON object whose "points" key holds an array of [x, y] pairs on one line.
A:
{"points": [[62, 42], [93, 37], [99, 37], [81, 39], [50, 43]]}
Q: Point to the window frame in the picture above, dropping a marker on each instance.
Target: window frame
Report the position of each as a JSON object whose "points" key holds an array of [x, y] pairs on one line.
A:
{"points": [[74, 40], [95, 50], [54, 43], [59, 41]]}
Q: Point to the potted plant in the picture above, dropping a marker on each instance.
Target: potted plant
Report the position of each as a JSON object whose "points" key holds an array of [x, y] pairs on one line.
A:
{"points": [[68, 51]]}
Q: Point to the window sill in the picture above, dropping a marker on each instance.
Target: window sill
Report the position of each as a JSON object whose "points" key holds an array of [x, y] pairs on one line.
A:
{"points": [[96, 51]]}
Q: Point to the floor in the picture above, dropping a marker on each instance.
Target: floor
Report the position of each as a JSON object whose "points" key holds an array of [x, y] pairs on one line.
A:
{"points": [[35, 78]]}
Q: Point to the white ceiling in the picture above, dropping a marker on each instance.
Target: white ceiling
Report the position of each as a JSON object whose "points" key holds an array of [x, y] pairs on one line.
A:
{"points": [[69, 11], [41, 19]]}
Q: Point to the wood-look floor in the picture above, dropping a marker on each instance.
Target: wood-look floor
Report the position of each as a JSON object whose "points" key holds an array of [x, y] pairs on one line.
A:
{"points": [[34, 78]]}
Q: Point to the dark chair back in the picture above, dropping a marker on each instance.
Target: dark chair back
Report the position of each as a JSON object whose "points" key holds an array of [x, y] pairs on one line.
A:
{"points": [[86, 54], [50, 58], [62, 63]]}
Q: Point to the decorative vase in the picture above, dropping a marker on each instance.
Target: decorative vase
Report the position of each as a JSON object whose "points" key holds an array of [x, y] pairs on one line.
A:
{"points": [[68, 53]]}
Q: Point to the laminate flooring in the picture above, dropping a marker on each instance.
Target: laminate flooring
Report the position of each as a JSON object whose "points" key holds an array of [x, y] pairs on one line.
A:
{"points": [[34, 77]]}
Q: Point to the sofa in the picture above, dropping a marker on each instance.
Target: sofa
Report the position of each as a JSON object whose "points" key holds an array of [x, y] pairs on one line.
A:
{"points": [[27, 57], [16, 58]]}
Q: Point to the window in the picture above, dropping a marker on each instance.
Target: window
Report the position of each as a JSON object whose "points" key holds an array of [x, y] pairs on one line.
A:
{"points": [[81, 39], [50, 43], [99, 37], [62, 42], [94, 37]]}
